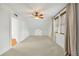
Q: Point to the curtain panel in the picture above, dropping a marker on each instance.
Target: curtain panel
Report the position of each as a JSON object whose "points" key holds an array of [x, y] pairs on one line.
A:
{"points": [[70, 36]]}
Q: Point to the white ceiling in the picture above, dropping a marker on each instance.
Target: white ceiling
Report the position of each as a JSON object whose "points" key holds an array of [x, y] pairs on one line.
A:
{"points": [[26, 9]]}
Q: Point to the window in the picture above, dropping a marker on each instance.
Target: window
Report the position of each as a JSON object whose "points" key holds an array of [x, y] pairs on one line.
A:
{"points": [[63, 23], [56, 24]]}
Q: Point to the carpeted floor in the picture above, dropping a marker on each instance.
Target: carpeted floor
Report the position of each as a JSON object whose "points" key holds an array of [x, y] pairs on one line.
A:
{"points": [[36, 46]]}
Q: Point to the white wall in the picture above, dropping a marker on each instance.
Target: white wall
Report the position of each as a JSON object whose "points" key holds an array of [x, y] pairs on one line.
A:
{"points": [[15, 28], [50, 33], [19, 29], [43, 25], [4, 30], [23, 30]]}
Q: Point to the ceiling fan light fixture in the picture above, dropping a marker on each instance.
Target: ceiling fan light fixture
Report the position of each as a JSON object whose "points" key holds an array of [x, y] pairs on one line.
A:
{"points": [[38, 15], [37, 18]]}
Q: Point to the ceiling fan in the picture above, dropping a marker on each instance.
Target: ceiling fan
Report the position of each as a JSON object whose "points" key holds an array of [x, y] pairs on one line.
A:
{"points": [[38, 15]]}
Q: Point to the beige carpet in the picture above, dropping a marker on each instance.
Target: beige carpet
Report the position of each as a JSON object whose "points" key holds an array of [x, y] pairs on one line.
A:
{"points": [[36, 46]]}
